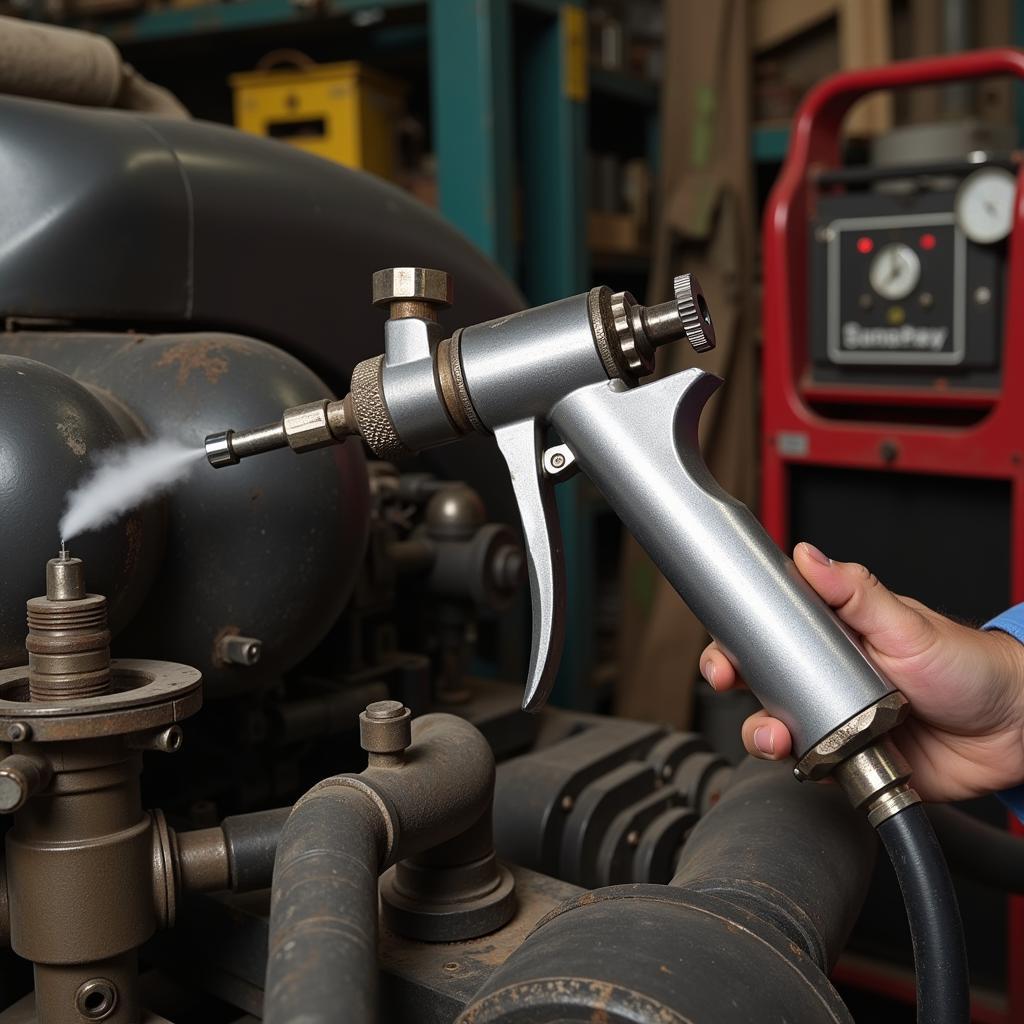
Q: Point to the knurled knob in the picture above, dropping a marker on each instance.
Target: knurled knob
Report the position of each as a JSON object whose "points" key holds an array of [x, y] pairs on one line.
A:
{"points": [[412, 284], [694, 314]]}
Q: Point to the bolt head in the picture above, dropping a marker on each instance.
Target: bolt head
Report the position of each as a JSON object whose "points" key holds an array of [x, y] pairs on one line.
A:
{"points": [[402, 284], [12, 793], [382, 710], [385, 727], [18, 731]]}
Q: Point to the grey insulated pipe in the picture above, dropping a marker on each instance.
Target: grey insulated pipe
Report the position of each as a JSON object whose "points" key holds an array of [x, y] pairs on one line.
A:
{"points": [[51, 62], [322, 948]]}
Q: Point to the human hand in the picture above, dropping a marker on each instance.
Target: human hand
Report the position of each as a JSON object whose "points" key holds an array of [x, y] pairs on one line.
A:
{"points": [[964, 736]]}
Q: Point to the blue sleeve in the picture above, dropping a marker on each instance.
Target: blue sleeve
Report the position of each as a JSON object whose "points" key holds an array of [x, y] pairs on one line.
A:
{"points": [[1011, 621]]}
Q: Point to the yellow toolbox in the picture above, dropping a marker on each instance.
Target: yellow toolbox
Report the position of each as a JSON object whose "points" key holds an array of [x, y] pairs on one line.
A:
{"points": [[344, 112]]}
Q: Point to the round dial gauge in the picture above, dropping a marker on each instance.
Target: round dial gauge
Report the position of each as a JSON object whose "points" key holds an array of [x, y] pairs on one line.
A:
{"points": [[895, 271], [984, 205]]}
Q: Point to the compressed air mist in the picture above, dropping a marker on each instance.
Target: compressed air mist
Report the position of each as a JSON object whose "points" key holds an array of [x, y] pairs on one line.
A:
{"points": [[122, 478]]}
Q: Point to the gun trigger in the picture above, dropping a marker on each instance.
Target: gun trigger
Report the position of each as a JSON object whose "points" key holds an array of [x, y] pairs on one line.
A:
{"points": [[521, 444]]}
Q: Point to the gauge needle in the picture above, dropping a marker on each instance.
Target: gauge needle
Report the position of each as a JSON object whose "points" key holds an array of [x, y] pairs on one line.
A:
{"points": [[990, 207], [894, 266]]}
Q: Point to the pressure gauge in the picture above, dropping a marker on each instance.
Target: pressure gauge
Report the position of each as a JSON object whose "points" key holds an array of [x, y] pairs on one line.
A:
{"points": [[895, 271], [985, 205]]}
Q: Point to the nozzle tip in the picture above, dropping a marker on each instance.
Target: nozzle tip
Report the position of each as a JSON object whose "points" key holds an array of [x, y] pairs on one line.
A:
{"points": [[219, 451]]}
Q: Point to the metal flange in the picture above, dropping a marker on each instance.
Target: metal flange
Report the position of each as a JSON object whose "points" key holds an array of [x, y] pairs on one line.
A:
{"points": [[143, 695]]}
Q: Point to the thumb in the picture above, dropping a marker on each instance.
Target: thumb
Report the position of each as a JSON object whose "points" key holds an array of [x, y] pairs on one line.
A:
{"points": [[886, 623]]}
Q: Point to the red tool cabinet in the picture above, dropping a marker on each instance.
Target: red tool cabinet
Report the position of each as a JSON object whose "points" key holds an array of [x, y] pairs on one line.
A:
{"points": [[920, 466]]}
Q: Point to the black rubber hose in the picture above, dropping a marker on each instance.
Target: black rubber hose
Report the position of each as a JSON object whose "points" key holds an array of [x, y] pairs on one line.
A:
{"points": [[978, 850], [940, 958]]}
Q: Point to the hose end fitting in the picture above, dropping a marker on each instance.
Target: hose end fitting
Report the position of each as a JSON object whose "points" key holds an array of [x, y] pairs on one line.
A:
{"points": [[877, 780]]}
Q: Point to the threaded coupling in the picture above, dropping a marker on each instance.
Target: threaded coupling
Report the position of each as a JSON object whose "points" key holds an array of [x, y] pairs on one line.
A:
{"points": [[68, 638]]}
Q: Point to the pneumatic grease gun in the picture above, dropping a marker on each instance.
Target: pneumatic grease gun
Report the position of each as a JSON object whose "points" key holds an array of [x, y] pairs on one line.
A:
{"points": [[575, 365]]}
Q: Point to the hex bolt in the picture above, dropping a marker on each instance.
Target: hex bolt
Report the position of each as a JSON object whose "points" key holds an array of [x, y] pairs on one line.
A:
{"points": [[239, 650], [96, 999], [385, 731], [18, 731], [20, 777], [412, 291]]}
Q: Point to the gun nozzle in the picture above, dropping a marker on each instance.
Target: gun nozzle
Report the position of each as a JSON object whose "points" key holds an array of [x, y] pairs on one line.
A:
{"points": [[302, 428], [219, 450]]}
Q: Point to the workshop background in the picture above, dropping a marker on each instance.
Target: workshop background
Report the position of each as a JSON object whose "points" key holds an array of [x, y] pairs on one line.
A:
{"points": [[578, 144]]}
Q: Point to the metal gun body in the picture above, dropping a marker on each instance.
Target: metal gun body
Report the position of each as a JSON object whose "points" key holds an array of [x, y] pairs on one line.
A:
{"points": [[640, 449], [576, 365]]}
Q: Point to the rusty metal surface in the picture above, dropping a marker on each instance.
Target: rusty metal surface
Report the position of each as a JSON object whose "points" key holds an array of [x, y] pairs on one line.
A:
{"points": [[68, 640], [660, 955], [50, 429], [270, 550]]}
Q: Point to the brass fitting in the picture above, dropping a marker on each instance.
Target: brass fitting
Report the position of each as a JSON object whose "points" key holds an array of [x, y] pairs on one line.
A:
{"points": [[68, 640], [90, 875], [876, 779], [385, 731]]}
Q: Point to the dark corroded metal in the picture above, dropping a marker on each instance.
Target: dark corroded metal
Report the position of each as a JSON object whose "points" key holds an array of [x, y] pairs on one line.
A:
{"points": [[90, 874], [237, 855], [812, 886], [144, 695], [343, 832], [652, 953], [385, 732], [745, 915]]}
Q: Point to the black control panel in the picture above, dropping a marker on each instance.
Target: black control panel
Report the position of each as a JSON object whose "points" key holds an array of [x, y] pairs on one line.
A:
{"points": [[899, 294]]}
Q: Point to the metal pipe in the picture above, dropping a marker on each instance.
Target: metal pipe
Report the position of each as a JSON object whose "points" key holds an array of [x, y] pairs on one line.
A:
{"points": [[322, 947], [238, 854], [808, 877], [321, 962], [767, 890]]}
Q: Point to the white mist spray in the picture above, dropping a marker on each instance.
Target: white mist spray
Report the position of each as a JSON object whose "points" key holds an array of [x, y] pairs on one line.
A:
{"points": [[122, 478]]}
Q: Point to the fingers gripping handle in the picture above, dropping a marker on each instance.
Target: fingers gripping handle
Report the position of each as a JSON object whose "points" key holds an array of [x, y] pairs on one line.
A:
{"points": [[521, 445], [640, 449]]}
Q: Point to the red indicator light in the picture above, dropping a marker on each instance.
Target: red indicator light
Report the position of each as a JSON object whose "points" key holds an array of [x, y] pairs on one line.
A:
{"points": [[927, 241], [865, 244]]}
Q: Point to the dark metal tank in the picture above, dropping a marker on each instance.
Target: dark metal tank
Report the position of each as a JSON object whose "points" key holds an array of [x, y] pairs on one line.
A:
{"points": [[115, 227]]}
